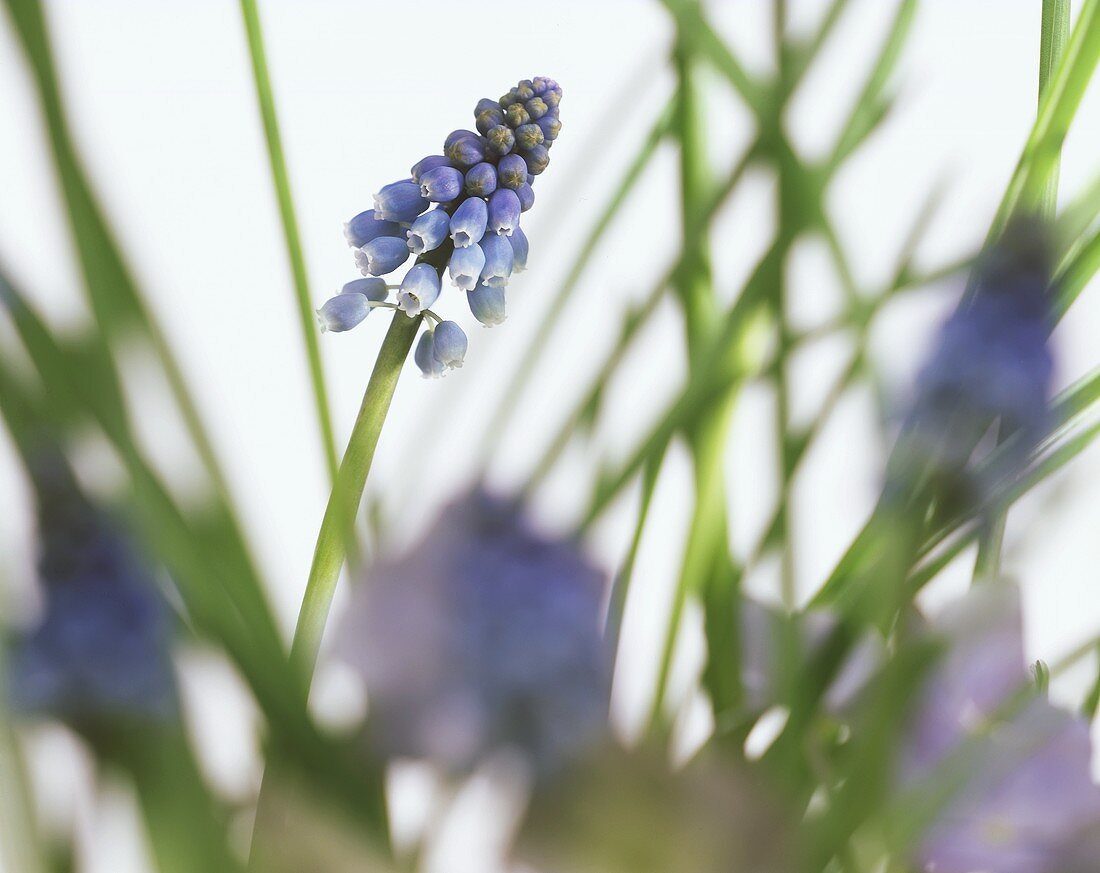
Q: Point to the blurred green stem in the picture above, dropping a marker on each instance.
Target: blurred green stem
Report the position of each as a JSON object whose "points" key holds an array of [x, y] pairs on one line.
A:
{"points": [[281, 180], [343, 504], [707, 569], [19, 839], [1052, 42]]}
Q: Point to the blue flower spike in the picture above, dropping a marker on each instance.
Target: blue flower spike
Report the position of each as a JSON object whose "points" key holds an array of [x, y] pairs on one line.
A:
{"points": [[458, 213]]}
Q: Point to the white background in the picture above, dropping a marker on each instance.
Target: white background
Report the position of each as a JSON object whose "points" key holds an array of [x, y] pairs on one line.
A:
{"points": [[161, 100]]}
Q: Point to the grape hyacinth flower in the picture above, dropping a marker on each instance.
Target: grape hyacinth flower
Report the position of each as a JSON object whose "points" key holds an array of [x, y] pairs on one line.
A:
{"points": [[1025, 798], [101, 651], [458, 213], [441, 348], [485, 635], [348, 308]]}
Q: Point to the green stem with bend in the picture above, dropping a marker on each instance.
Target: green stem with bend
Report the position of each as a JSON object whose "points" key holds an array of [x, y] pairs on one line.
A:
{"points": [[343, 504]]}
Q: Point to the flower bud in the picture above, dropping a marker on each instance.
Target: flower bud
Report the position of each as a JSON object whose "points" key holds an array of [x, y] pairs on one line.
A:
{"points": [[501, 139], [550, 125], [526, 196], [528, 136], [469, 222], [455, 135], [481, 180], [419, 289], [429, 163], [467, 151], [536, 108], [511, 171], [537, 159], [516, 115], [487, 119]]}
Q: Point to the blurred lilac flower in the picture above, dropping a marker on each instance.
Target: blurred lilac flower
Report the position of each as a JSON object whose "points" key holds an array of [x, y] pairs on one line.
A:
{"points": [[101, 650], [484, 635], [1026, 798]]}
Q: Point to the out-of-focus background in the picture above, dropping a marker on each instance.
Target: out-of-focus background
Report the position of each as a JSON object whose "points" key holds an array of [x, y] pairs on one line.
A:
{"points": [[163, 107]]}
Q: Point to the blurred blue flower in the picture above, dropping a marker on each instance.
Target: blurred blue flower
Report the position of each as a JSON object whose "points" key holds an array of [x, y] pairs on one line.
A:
{"points": [[1025, 796], [992, 362], [484, 635], [101, 650]]}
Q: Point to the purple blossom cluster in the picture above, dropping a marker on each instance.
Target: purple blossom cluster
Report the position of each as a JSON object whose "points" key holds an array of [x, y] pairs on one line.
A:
{"points": [[458, 212], [101, 650], [485, 635]]}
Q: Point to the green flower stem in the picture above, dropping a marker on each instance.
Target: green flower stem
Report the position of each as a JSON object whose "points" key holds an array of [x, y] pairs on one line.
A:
{"points": [[343, 504], [1052, 42], [281, 180]]}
